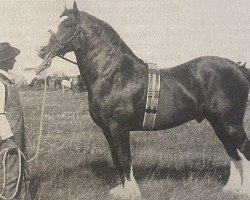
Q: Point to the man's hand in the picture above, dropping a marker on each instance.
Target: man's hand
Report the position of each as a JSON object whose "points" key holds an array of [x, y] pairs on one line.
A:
{"points": [[45, 64], [11, 143]]}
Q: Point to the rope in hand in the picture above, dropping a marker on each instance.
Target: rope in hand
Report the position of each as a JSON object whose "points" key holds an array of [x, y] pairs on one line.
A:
{"points": [[20, 154], [41, 119]]}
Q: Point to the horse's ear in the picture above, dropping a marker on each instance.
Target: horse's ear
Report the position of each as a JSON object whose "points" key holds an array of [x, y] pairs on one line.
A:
{"points": [[75, 7], [65, 12], [75, 11], [72, 13]]}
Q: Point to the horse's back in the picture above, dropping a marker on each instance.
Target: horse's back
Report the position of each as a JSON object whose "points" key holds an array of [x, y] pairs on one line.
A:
{"points": [[200, 86]]}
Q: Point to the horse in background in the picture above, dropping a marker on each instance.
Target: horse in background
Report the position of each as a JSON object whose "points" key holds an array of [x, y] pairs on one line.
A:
{"points": [[57, 83], [39, 81], [66, 84], [77, 84], [116, 80], [62, 83]]}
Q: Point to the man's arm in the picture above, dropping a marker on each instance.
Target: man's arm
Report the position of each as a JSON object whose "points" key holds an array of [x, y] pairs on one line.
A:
{"points": [[46, 63], [5, 130], [25, 77]]}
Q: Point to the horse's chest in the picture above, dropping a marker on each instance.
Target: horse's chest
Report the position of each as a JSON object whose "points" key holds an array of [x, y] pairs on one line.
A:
{"points": [[94, 112], [98, 110], [111, 107]]}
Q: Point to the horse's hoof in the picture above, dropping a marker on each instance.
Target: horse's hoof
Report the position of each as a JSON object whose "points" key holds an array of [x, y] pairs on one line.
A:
{"points": [[231, 189], [245, 191], [126, 192], [116, 192]]}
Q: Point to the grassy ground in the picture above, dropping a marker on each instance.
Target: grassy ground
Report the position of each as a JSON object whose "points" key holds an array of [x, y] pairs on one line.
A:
{"points": [[184, 163]]}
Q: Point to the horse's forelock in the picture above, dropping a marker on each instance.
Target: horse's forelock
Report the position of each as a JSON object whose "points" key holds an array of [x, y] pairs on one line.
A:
{"points": [[63, 18], [66, 22], [66, 12]]}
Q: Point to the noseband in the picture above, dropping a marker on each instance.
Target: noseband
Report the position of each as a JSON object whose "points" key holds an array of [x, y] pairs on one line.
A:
{"points": [[61, 44]]}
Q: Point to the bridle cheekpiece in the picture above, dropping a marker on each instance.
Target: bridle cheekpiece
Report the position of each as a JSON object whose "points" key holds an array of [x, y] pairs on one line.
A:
{"points": [[61, 44]]}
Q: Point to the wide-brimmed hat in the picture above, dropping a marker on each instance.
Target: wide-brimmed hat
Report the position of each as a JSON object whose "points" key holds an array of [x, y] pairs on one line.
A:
{"points": [[7, 51]]}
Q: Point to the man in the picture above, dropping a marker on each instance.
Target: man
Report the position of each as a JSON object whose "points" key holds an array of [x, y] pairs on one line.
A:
{"points": [[11, 121]]}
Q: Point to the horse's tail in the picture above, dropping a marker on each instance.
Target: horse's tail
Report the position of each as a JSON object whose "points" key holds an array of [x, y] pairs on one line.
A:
{"points": [[246, 72]]}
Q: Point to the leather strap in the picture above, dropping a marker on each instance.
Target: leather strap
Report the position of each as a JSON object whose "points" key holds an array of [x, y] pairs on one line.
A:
{"points": [[153, 94], [5, 79]]}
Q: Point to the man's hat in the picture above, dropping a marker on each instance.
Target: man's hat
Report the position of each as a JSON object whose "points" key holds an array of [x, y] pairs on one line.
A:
{"points": [[7, 51]]}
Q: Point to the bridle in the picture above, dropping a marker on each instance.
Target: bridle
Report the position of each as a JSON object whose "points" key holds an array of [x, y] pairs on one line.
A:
{"points": [[74, 39]]}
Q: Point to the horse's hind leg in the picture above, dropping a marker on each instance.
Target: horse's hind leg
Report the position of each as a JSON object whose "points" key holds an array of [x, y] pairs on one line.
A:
{"points": [[118, 139], [236, 168], [233, 124], [241, 142]]}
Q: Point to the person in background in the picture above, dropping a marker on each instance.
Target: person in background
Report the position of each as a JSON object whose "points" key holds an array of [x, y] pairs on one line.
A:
{"points": [[12, 133]]}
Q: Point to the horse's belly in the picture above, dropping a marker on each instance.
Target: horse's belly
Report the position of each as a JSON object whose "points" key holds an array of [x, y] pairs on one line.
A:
{"points": [[175, 108], [172, 119]]}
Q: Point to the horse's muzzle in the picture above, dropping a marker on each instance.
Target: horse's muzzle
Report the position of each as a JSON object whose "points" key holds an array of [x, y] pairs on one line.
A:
{"points": [[44, 53], [41, 52]]}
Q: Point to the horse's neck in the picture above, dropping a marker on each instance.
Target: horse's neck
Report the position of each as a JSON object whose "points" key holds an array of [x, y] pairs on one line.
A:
{"points": [[102, 53], [92, 68], [92, 59]]}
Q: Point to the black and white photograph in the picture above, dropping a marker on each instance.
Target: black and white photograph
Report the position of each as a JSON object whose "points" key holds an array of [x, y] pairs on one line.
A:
{"points": [[124, 100]]}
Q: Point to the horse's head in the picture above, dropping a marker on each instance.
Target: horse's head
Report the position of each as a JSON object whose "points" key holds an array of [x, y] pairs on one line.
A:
{"points": [[66, 39]]}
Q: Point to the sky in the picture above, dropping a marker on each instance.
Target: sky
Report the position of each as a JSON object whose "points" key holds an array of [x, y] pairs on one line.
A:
{"points": [[165, 32]]}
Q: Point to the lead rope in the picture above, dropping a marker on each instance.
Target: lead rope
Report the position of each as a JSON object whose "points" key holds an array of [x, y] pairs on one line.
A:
{"points": [[41, 123], [20, 153]]}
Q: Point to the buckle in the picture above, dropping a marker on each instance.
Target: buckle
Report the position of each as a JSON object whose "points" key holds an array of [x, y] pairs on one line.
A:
{"points": [[157, 94], [150, 110], [150, 93]]}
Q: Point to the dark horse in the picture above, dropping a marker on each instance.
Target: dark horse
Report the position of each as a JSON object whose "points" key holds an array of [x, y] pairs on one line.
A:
{"points": [[116, 80], [38, 82], [57, 82]]}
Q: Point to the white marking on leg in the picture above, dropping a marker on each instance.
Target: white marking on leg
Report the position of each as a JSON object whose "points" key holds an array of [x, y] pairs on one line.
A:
{"points": [[245, 187], [236, 176], [129, 191], [132, 185]]}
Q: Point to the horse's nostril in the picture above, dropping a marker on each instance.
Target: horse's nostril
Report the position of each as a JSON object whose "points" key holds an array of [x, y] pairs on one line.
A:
{"points": [[41, 51], [41, 48]]}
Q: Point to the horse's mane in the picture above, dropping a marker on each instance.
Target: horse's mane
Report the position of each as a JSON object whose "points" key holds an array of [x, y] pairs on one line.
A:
{"points": [[107, 34]]}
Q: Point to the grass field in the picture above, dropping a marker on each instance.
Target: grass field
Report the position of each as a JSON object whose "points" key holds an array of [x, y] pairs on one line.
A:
{"points": [[184, 163]]}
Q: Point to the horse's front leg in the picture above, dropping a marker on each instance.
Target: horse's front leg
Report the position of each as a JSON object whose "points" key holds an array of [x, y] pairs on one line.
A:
{"points": [[118, 139]]}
